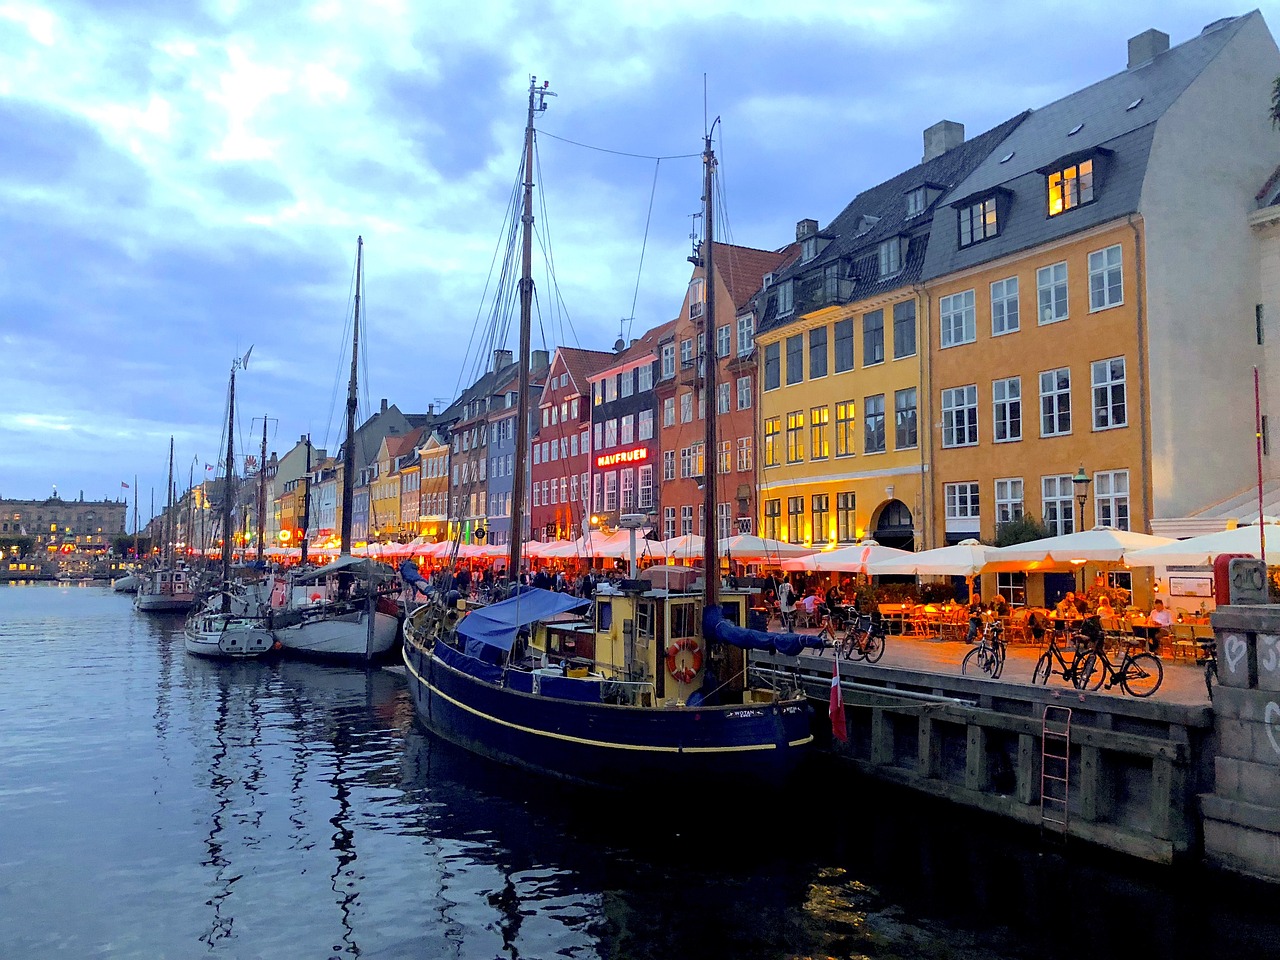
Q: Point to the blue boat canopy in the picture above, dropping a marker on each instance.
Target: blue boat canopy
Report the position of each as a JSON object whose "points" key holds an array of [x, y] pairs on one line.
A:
{"points": [[498, 623]]}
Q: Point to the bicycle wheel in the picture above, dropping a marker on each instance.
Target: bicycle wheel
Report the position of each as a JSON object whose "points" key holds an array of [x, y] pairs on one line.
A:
{"points": [[850, 648], [1142, 675], [976, 662], [875, 647], [1089, 675], [1043, 670], [997, 653]]}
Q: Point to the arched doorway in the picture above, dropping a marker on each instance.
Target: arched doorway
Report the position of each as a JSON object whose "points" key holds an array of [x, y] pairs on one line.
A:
{"points": [[893, 526]]}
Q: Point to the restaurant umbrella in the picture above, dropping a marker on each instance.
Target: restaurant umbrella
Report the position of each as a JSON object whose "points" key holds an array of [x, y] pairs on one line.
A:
{"points": [[746, 546], [687, 546], [1099, 545], [1202, 550], [964, 559], [851, 559]]}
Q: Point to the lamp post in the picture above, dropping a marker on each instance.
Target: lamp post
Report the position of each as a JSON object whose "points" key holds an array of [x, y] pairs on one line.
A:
{"points": [[1081, 481]]}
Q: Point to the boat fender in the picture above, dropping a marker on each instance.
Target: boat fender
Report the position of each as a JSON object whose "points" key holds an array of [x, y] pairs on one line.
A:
{"points": [[316, 598], [684, 674]]}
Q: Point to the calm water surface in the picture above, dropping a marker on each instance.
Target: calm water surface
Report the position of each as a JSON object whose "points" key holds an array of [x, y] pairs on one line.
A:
{"points": [[153, 805]]}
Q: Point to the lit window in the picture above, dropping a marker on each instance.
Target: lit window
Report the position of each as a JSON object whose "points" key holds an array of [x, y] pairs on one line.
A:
{"points": [[1070, 187], [795, 436], [978, 222]]}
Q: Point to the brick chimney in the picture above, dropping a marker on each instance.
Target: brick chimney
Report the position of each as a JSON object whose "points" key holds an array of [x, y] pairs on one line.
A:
{"points": [[941, 137], [1146, 46]]}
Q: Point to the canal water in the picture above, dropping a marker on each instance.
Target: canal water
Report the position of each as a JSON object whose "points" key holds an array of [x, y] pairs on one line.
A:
{"points": [[157, 806]]}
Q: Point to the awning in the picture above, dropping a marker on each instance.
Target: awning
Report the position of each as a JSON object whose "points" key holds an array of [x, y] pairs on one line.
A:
{"points": [[497, 623]]}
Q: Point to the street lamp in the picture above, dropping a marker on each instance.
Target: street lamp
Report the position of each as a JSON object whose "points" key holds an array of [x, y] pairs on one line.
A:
{"points": [[1081, 481]]}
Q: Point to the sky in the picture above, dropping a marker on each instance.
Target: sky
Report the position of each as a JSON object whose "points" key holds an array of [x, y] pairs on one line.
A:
{"points": [[181, 182]]}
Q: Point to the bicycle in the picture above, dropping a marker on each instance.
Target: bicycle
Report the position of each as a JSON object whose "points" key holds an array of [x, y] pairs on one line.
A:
{"points": [[1069, 671], [827, 629], [1138, 674], [865, 640], [1209, 658], [988, 656]]}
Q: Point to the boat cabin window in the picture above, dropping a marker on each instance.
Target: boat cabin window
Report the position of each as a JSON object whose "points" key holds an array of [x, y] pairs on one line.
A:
{"points": [[644, 620], [684, 622], [604, 615]]}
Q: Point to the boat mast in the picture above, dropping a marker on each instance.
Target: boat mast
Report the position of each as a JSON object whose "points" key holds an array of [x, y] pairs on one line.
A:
{"points": [[166, 529], [349, 450], [136, 493], [537, 104], [306, 505], [262, 489], [226, 494], [710, 555]]}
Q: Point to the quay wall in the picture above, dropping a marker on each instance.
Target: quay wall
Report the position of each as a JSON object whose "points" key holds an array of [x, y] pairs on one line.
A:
{"points": [[1136, 768]]}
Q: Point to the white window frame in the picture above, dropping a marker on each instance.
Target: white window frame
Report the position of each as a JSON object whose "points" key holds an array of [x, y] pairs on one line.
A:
{"points": [[1111, 499], [1010, 500], [957, 319], [1004, 394], [1005, 315], [1106, 278], [963, 506], [1055, 401], [960, 416], [746, 334], [724, 397], [724, 340], [1108, 384], [744, 454], [890, 256], [1057, 504], [1051, 294], [744, 393]]}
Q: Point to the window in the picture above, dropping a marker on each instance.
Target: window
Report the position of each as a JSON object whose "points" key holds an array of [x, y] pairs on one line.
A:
{"points": [[724, 462], [686, 407], [1106, 279], [1055, 402], [744, 393], [1109, 406], [846, 517], [686, 462], [960, 416], [961, 501], [904, 329], [744, 454], [845, 437], [686, 352], [668, 411], [1111, 499], [844, 343], [873, 338], [626, 429], [772, 427], [1057, 505], [628, 489], [772, 515], [645, 430], [1051, 292], [821, 510], [1257, 322], [795, 519], [817, 353], [668, 465], [873, 424], [795, 436], [1008, 500], [686, 520], [890, 256], [595, 491], [819, 447], [745, 332], [957, 319], [724, 521], [915, 202], [786, 304], [668, 360], [610, 433], [724, 337], [1004, 306], [904, 418], [611, 490], [626, 383], [1013, 587], [1070, 187], [795, 359], [611, 388], [1006, 404], [702, 404], [668, 522], [978, 222], [724, 397], [772, 366], [644, 377], [646, 487], [599, 428]]}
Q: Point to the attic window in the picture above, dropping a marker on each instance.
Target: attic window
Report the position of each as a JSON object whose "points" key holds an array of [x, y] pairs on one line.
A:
{"points": [[1134, 104], [916, 201], [891, 256], [1076, 129], [808, 249], [1070, 186], [1007, 157]]}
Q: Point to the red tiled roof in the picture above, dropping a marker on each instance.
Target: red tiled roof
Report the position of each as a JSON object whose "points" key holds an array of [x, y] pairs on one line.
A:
{"points": [[580, 364], [644, 345], [742, 269]]}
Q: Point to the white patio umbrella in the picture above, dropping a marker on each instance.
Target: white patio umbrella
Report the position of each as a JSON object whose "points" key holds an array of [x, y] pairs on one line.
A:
{"points": [[1202, 550], [851, 559], [746, 546], [963, 559], [688, 546], [1099, 545]]}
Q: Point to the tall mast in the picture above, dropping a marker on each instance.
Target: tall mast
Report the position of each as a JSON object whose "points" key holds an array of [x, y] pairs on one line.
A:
{"points": [[136, 493], [349, 450], [262, 489], [711, 554], [166, 526], [306, 504], [226, 494], [537, 104]]}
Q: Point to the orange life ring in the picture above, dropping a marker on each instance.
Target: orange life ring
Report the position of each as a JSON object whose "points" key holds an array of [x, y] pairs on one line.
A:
{"points": [[686, 673]]}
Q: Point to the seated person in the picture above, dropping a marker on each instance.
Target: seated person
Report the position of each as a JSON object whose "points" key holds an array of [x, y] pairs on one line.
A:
{"points": [[1090, 636], [1067, 605], [809, 604], [1104, 607], [1163, 620], [975, 617]]}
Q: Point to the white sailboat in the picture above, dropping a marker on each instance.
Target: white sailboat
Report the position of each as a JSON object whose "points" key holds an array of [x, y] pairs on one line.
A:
{"points": [[350, 621], [169, 587]]}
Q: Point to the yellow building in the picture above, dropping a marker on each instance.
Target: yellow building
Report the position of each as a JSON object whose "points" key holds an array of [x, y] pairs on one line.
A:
{"points": [[840, 361]]}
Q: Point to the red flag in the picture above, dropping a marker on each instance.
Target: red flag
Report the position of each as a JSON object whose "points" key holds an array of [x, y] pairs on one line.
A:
{"points": [[839, 729], [123, 485]]}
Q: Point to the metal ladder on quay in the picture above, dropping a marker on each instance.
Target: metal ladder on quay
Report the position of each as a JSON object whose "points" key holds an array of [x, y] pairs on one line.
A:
{"points": [[1055, 770]]}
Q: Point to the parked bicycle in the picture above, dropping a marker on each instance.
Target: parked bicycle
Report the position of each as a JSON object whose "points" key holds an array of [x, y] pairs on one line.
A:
{"points": [[865, 640], [987, 658], [1209, 657], [1067, 669], [1138, 674]]}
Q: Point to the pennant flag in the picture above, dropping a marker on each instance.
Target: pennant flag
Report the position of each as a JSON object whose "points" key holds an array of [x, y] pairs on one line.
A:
{"points": [[245, 362], [208, 467], [839, 729], [123, 485]]}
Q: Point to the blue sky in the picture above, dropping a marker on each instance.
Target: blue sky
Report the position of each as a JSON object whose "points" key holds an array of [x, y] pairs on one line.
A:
{"points": [[181, 181]]}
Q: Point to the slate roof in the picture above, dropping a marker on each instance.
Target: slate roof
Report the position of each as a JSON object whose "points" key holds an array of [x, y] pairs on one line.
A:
{"points": [[1118, 114], [878, 214]]}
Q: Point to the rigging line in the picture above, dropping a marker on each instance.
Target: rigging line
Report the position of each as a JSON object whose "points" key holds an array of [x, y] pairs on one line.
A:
{"points": [[653, 190], [558, 298], [548, 256], [619, 153]]}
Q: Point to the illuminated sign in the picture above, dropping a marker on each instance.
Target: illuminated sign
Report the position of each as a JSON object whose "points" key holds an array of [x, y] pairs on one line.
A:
{"points": [[622, 456]]}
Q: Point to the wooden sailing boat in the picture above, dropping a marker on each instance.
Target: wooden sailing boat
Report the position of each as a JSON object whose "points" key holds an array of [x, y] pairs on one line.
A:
{"points": [[626, 699], [168, 587], [217, 630], [349, 620]]}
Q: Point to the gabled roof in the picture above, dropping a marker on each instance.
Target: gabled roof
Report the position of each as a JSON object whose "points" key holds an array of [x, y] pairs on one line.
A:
{"points": [[646, 344], [742, 268], [580, 364], [1117, 115]]}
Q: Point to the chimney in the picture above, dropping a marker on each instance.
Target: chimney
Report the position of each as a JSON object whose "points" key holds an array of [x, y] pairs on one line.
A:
{"points": [[805, 228], [384, 405], [539, 360], [431, 409], [1146, 46], [501, 358], [941, 137]]}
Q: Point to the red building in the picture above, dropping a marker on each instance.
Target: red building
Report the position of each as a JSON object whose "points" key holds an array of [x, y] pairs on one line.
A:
{"points": [[682, 407], [560, 465]]}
